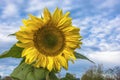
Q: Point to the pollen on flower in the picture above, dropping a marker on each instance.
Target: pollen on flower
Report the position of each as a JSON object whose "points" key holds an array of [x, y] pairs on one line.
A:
{"points": [[49, 40]]}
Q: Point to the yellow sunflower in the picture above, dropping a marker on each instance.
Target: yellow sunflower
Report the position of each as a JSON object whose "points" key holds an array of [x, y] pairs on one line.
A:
{"points": [[49, 41]]}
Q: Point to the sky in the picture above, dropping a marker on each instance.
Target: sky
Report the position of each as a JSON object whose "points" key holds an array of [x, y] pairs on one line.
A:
{"points": [[98, 20]]}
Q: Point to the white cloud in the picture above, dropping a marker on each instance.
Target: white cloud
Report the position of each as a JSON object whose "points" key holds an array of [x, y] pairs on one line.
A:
{"points": [[1, 73], [5, 70], [5, 67], [10, 10], [109, 4], [100, 32], [107, 57], [5, 30], [101, 39], [38, 5], [8, 65]]}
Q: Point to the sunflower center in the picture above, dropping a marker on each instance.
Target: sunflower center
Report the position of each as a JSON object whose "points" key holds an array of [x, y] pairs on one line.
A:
{"points": [[49, 41]]}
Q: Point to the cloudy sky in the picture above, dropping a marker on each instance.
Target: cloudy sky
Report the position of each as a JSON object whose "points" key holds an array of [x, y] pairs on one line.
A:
{"points": [[99, 21]]}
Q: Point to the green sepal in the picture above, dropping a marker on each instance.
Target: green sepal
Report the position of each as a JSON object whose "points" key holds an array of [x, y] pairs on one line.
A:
{"points": [[14, 51], [81, 56], [28, 72]]}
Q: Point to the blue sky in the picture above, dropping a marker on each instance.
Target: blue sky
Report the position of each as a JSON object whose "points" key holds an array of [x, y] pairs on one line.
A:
{"points": [[99, 21]]}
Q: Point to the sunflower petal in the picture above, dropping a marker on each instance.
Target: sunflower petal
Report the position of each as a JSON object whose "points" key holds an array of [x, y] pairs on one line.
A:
{"points": [[47, 15], [62, 61], [37, 20], [26, 51], [57, 64], [50, 63], [25, 45], [57, 15]]}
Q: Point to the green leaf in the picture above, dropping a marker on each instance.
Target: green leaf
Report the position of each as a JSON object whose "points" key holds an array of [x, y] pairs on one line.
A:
{"points": [[12, 34], [15, 52], [52, 76], [80, 56], [28, 72]]}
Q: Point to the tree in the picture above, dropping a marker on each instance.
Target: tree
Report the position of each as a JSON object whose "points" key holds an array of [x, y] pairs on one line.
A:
{"points": [[117, 73], [113, 74], [0, 77], [94, 73], [69, 77], [7, 78]]}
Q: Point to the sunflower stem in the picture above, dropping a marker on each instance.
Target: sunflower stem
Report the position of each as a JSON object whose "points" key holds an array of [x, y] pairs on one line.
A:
{"points": [[47, 77]]}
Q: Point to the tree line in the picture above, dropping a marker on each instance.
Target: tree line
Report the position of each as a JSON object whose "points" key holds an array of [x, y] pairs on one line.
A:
{"points": [[93, 73]]}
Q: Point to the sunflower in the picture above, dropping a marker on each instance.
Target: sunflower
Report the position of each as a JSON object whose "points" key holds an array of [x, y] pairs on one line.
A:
{"points": [[49, 42]]}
